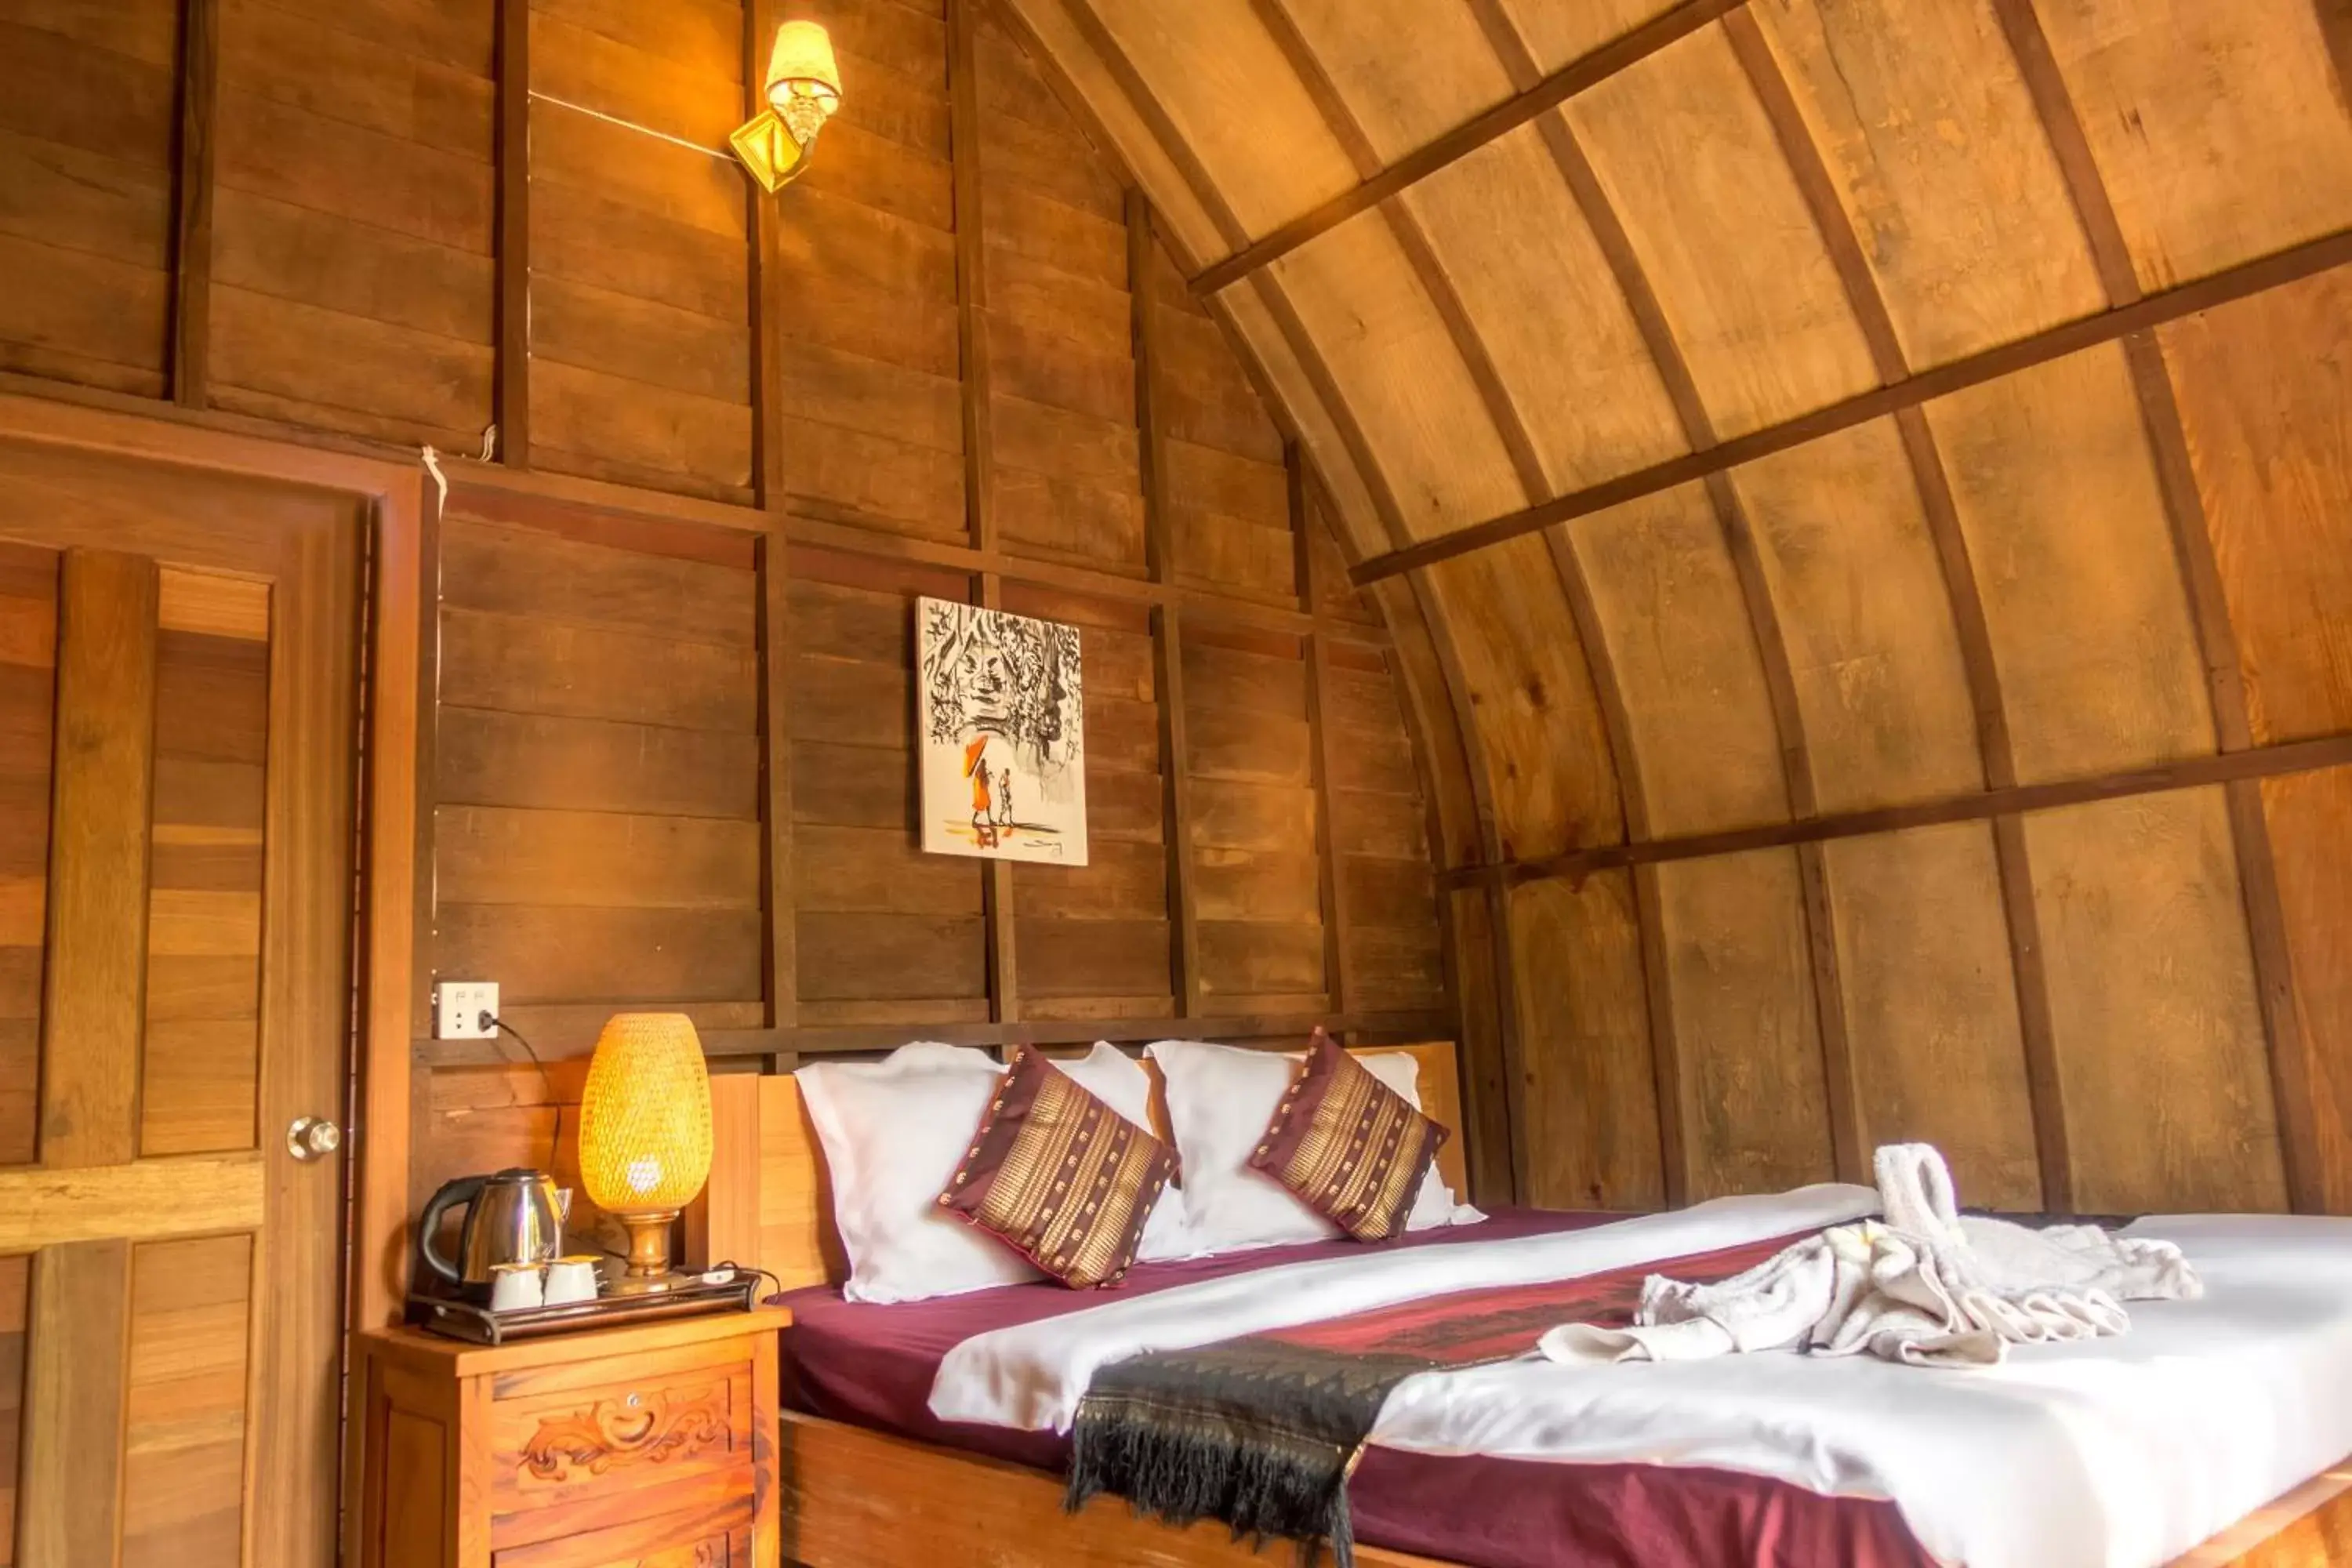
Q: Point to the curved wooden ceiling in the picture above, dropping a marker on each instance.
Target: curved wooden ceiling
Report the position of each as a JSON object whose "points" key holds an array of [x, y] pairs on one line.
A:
{"points": [[1854, 429], [1844, 245]]}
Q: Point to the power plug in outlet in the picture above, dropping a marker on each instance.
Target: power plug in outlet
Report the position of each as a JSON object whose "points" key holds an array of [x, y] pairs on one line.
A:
{"points": [[460, 1006]]}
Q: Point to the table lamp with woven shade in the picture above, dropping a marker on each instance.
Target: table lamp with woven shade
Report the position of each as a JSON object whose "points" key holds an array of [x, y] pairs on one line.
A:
{"points": [[644, 1135]]}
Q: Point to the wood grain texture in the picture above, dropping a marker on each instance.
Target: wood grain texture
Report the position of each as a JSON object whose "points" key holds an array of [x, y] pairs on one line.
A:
{"points": [[2152, 985], [69, 1497], [96, 979]]}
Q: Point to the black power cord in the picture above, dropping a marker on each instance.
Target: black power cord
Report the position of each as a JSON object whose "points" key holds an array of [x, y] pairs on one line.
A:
{"points": [[490, 1020]]}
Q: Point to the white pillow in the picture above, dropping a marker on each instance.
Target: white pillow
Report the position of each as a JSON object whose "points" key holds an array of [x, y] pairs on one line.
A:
{"points": [[1220, 1098], [893, 1131], [1120, 1081]]}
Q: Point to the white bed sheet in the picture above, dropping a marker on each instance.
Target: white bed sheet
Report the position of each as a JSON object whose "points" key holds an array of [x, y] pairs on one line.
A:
{"points": [[2114, 1454]]}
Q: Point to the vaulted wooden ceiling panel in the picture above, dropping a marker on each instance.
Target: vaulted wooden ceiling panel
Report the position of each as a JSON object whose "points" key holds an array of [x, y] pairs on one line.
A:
{"points": [[1678, 638], [1237, 104], [1931, 1004], [1561, 33], [1926, 126], [1530, 694], [2058, 496], [1863, 607], [1747, 1032], [2262, 386], [2143, 897], [1540, 295], [2217, 129], [1397, 366], [1410, 70], [1689, 162]]}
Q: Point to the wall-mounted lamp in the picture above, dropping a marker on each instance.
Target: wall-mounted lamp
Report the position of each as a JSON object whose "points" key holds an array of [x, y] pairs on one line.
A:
{"points": [[803, 89]]}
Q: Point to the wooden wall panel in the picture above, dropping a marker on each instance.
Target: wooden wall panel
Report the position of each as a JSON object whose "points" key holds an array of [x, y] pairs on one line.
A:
{"points": [[1861, 603], [872, 951], [640, 347], [87, 122], [200, 1067], [1095, 940], [2217, 133], [596, 822], [1754, 1111], [28, 638], [1259, 911], [351, 280], [183, 1455], [2159, 1038], [2057, 492], [1389, 951], [1591, 1109], [1678, 638], [1931, 1004], [1926, 126], [1688, 160]]}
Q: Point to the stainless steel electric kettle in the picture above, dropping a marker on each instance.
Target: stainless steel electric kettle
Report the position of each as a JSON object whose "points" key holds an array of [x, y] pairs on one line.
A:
{"points": [[513, 1216]]}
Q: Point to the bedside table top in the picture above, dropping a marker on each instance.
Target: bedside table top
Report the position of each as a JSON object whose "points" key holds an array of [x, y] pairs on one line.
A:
{"points": [[439, 1355]]}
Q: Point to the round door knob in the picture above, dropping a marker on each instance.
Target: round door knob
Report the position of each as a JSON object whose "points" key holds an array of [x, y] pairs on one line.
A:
{"points": [[313, 1138]]}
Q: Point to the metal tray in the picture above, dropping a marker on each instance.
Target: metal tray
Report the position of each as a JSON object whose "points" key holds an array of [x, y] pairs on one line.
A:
{"points": [[479, 1325]]}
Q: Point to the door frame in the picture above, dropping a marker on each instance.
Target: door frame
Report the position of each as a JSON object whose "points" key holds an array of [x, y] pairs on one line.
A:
{"points": [[393, 497]]}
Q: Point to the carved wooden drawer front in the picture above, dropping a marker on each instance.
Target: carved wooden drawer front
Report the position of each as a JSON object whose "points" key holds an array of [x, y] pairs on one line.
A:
{"points": [[569, 1435]]}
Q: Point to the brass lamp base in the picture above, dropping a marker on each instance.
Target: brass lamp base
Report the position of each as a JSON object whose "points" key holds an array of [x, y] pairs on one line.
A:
{"points": [[649, 1272]]}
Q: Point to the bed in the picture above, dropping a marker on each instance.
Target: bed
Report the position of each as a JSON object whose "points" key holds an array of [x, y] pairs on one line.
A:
{"points": [[875, 1478]]}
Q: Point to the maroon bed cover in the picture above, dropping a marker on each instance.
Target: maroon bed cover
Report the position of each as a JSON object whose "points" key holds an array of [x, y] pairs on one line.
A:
{"points": [[873, 1366]]}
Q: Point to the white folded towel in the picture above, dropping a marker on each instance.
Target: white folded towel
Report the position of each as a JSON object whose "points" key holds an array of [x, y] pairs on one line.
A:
{"points": [[1926, 1286]]}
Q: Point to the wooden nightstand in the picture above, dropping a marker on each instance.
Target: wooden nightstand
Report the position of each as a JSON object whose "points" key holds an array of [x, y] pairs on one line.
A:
{"points": [[652, 1445]]}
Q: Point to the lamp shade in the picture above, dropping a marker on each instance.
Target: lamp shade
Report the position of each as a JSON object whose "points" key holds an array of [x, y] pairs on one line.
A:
{"points": [[644, 1120], [802, 65]]}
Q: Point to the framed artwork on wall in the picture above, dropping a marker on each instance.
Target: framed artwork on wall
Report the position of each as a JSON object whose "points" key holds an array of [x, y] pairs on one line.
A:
{"points": [[1000, 708]]}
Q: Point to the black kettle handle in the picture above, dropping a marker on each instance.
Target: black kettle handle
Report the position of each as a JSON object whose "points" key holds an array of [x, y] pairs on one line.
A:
{"points": [[465, 1189]]}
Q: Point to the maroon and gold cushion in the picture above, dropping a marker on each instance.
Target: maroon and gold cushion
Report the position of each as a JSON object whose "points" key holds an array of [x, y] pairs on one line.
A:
{"points": [[1350, 1148], [1059, 1176]]}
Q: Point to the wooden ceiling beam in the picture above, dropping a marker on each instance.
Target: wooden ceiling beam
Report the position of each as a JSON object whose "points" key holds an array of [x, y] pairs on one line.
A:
{"points": [[2188, 773], [2259, 275], [1619, 55]]}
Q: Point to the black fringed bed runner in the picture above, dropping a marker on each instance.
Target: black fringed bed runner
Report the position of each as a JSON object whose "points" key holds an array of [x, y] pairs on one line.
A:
{"points": [[1262, 1432]]}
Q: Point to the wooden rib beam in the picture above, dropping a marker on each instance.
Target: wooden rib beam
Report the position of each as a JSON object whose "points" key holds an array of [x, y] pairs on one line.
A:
{"points": [[2188, 773], [1151, 419], [767, 301], [1176, 805], [2218, 289], [140, 1200], [779, 904], [511, 392], [192, 202], [972, 274], [1553, 90], [2209, 608]]}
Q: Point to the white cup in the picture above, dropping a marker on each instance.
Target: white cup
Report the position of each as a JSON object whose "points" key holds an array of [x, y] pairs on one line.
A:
{"points": [[571, 1279], [515, 1286]]}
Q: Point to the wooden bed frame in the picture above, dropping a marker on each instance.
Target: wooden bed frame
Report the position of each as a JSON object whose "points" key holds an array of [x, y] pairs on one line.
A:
{"points": [[859, 1499]]}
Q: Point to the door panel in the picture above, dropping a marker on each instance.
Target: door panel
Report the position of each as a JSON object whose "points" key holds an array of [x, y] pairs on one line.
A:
{"points": [[178, 678]]}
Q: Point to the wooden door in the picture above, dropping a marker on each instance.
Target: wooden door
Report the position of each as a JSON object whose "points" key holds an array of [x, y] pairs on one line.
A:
{"points": [[177, 734]]}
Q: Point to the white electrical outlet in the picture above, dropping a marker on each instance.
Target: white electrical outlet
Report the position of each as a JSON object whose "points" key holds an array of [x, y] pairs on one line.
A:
{"points": [[459, 1007]]}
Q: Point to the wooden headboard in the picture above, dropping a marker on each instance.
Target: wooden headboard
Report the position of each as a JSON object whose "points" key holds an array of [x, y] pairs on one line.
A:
{"points": [[769, 1204]]}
